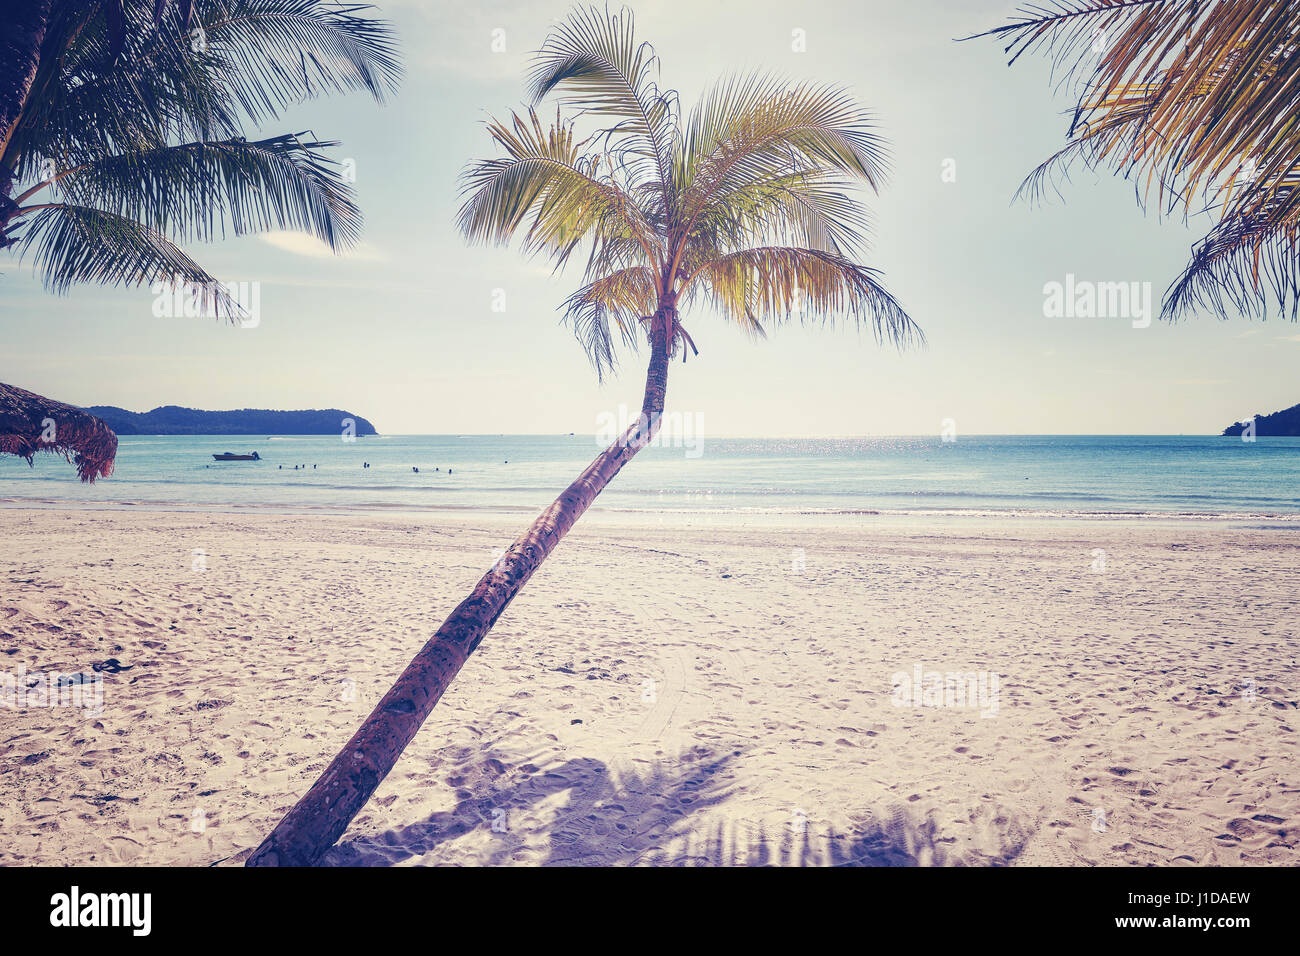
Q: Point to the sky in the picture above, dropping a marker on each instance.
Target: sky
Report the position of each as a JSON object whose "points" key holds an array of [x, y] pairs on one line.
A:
{"points": [[403, 330]]}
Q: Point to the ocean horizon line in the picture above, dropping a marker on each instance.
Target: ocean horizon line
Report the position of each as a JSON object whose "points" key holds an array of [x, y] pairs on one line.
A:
{"points": [[738, 437]]}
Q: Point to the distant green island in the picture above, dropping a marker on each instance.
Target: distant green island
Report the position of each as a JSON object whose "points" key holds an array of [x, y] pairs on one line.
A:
{"points": [[175, 420], [1279, 424]]}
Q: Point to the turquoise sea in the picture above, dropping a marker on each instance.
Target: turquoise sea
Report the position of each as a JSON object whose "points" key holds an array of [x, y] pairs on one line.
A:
{"points": [[1050, 475]]}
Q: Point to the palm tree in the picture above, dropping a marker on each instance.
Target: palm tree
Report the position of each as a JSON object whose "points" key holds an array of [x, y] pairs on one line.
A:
{"points": [[744, 205], [122, 132], [1199, 103]]}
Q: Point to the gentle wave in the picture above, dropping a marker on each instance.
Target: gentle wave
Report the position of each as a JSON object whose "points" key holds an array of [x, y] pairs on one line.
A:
{"points": [[1039, 475], [19, 503]]}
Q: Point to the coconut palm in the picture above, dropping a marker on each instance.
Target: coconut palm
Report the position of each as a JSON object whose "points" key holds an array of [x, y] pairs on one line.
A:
{"points": [[123, 132], [746, 204], [1199, 103]]}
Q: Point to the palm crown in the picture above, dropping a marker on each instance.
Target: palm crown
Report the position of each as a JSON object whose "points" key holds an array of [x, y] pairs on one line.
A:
{"points": [[133, 133], [746, 202]]}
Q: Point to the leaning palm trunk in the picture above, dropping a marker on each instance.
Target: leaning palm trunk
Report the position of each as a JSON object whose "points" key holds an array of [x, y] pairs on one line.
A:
{"points": [[321, 816]]}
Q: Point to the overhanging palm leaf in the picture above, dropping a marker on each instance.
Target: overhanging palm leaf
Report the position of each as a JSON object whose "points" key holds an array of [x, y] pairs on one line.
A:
{"points": [[284, 182], [1197, 102], [74, 244], [78, 111], [1243, 256], [148, 126], [255, 56], [278, 52]]}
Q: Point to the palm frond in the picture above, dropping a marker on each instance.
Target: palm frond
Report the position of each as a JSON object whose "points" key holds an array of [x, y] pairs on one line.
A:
{"points": [[774, 284], [78, 111], [546, 177], [593, 62], [1243, 260], [812, 208], [192, 80], [1068, 30], [276, 53], [74, 244], [140, 118], [194, 190], [754, 130], [622, 297], [1196, 102]]}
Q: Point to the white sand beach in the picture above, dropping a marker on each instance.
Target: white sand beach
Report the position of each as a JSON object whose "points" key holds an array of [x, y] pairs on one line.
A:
{"points": [[661, 693]]}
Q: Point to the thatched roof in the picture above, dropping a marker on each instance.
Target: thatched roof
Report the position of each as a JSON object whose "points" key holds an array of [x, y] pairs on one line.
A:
{"points": [[30, 423]]}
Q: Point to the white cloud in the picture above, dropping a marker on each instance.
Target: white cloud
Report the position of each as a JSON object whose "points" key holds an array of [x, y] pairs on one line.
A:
{"points": [[304, 244]]}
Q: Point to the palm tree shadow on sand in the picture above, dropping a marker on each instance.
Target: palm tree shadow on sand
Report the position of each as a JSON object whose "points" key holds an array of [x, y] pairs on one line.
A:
{"points": [[652, 816], [902, 840], [603, 821]]}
